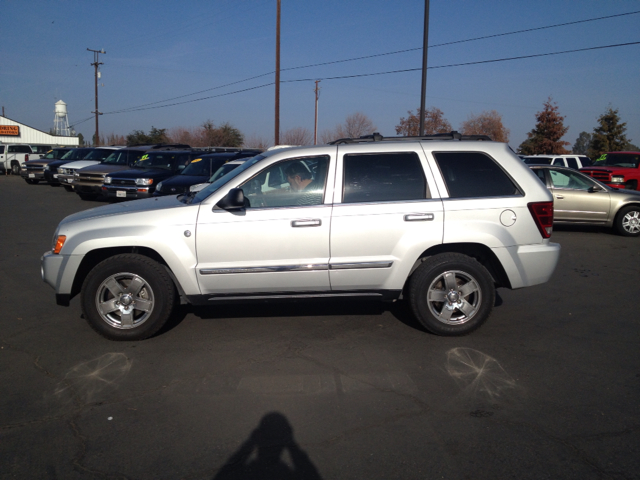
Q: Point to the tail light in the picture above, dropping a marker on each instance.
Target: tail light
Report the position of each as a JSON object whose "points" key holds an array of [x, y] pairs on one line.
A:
{"points": [[542, 213], [26, 157]]}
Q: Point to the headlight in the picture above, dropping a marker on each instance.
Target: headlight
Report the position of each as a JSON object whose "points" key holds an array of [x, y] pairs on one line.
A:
{"points": [[107, 179], [76, 175], [617, 179], [144, 181], [159, 186]]}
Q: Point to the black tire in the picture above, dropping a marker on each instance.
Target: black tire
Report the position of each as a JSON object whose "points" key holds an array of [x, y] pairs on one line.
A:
{"points": [[627, 221], [31, 181], [68, 188], [468, 303], [15, 168], [109, 285]]}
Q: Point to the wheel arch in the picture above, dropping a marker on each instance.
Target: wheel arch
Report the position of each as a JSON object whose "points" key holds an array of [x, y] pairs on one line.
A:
{"points": [[478, 251], [94, 257]]}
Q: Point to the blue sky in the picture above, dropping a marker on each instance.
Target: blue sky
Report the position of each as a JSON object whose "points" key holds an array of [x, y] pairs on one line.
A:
{"points": [[163, 49]]}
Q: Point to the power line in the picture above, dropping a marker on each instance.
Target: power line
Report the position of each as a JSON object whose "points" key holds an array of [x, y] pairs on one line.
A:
{"points": [[133, 109], [380, 55]]}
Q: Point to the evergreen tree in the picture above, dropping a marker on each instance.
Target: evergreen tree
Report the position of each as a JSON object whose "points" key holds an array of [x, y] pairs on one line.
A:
{"points": [[581, 147], [545, 137], [609, 135]]}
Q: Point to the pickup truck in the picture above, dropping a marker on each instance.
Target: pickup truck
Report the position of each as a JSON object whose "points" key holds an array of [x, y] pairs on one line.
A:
{"points": [[616, 169], [12, 156]]}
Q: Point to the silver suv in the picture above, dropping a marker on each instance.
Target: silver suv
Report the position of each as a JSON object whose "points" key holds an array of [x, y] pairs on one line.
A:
{"points": [[440, 221]]}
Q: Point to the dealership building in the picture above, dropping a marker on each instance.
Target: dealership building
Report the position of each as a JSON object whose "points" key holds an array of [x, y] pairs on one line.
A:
{"points": [[16, 132]]}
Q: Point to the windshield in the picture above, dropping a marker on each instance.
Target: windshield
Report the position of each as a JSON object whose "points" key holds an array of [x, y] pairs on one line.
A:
{"points": [[98, 154], [223, 170], [205, 192], [76, 154], [198, 167], [119, 157], [156, 160], [631, 160]]}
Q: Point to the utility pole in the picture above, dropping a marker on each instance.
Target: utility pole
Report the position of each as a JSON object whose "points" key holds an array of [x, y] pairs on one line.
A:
{"points": [[425, 48], [315, 126], [95, 63], [277, 120]]}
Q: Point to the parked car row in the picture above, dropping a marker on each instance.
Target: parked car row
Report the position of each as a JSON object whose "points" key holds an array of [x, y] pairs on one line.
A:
{"points": [[129, 172]]}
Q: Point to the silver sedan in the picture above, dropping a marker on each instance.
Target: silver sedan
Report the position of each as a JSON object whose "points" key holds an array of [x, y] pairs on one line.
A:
{"points": [[579, 199]]}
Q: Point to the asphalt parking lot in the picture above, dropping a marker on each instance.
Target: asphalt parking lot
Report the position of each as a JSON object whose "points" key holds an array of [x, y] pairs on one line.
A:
{"points": [[547, 388]]}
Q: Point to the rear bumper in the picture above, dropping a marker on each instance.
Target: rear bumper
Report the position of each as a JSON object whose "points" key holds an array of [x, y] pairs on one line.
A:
{"points": [[529, 265]]}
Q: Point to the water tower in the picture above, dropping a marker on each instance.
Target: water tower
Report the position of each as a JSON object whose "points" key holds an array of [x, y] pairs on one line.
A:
{"points": [[60, 121]]}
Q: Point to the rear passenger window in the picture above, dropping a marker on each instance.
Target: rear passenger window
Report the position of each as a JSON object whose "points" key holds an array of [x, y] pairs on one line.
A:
{"points": [[383, 177], [572, 163], [473, 174]]}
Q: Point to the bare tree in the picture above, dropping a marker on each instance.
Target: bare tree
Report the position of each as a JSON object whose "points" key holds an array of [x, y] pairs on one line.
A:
{"points": [[296, 136], [355, 125], [328, 135], [486, 123], [434, 122], [188, 136], [255, 141]]}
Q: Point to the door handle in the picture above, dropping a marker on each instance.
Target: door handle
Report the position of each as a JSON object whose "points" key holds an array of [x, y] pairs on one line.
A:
{"points": [[313, 222], [560, 197], [419, 217]]}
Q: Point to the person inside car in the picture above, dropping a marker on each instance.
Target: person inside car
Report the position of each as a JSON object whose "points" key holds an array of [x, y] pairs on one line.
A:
{"points": [[301, 180]]}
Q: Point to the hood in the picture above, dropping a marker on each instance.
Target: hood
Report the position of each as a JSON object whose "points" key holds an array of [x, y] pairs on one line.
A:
{"points": [[607, 168], [105, 168], [184, 180], [134, 206], [38, 162], [81, 164], [144, 172]]}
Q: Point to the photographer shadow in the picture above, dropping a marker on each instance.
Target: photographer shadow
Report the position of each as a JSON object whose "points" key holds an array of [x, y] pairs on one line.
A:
{"points": [[260, 457]]}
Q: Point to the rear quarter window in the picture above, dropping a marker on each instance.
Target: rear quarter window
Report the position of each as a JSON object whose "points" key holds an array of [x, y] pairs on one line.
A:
{"points": [[474, 174], [383, 177]]}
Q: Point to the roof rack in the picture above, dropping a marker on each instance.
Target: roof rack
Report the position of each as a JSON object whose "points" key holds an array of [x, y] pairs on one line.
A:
{"points": [[376, 137]]}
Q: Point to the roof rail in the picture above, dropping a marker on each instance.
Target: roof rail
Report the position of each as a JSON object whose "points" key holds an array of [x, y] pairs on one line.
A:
{"points": [[376, 137]]}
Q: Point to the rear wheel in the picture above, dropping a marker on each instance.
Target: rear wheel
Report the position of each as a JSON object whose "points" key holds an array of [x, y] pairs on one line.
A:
{"points": [[128, 297], [15, 168], [627, 221], [451, 294]]}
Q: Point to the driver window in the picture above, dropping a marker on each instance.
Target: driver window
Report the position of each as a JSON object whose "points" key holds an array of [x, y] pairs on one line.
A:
{"points": [[295, 182]]}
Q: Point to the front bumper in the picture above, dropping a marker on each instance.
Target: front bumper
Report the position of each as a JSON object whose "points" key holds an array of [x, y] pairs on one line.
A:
{"points": [[65, 179], [127, 193], [32, 175], [58, 271]]}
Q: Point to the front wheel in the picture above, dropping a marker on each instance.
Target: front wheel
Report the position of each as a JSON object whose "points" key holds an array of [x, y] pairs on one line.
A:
{"points": [[31, 181], [451, 294], [68, 188], [627, 221], [128, 297]]}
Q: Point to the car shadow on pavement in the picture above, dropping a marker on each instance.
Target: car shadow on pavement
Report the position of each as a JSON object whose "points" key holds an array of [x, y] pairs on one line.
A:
{"points": [[261, 455], [400, 309]]}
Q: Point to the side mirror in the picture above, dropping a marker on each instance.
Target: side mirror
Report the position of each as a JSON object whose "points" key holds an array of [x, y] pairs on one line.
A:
{"points": [[594, 189], [234, 200]]}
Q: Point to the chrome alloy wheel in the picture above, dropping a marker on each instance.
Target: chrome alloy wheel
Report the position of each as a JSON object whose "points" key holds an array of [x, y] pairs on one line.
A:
{"points": [[454, 297], [124, 300], [631, 222]]}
